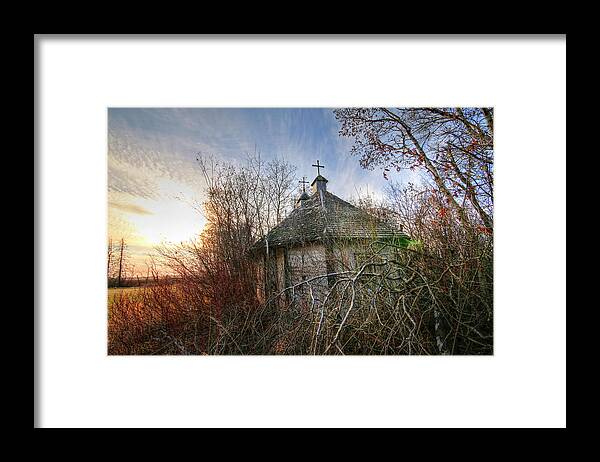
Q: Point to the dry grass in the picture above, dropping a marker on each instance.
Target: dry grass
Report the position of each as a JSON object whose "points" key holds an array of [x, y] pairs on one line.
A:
{"points": [[419, 305]]}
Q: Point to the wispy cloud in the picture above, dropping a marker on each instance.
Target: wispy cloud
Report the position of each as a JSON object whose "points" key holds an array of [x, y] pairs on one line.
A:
{"points": [[129, 208]]}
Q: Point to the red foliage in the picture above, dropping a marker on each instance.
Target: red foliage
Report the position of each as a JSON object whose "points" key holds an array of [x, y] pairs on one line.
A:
{"points": [[484, 230]]}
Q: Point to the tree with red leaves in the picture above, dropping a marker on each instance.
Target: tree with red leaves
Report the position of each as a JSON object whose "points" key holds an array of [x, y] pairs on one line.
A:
{"points": [[453, 146]]}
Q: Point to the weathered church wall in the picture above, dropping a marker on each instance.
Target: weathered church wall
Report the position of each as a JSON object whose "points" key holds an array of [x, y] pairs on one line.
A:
{"points": [[280, 255], [343, 258], [289, 267], [352, 256], [306, 262]]}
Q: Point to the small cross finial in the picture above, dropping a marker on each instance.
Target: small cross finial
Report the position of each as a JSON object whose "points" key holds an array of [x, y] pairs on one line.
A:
{"points": [[303, 183], [319, 167]]}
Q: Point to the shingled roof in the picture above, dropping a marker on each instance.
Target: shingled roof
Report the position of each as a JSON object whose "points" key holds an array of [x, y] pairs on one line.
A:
{"points": [[323, 216]]}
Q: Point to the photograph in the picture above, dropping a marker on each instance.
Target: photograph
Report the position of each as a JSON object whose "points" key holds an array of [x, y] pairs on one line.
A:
{"points": [[300, 231], [246, 231]]}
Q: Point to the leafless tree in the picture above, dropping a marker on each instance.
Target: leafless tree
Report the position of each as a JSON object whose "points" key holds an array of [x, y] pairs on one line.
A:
{"points": [[110, 260], [119, 266]]}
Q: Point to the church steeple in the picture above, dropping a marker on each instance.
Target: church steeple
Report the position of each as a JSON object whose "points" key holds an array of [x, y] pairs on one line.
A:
{"points": [[303, 196], [320, 182]]}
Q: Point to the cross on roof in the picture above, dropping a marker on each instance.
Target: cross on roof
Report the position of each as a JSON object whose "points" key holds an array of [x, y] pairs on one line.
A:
{"points": [[303, 183], [319, 167]]}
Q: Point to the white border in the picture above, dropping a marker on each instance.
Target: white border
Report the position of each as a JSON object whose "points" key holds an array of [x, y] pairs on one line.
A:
{"points": [[523, 384]]}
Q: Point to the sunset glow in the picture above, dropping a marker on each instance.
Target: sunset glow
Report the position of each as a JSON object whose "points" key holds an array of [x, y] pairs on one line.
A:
{"points": [[155, 185], [171, 218]]}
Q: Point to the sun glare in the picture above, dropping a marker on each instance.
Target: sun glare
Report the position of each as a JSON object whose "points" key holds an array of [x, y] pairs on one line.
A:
{"points": [[169, 219], [173, 219]]}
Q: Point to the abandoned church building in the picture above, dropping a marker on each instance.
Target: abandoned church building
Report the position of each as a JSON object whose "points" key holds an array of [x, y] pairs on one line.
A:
{"points": [[322, 236]]}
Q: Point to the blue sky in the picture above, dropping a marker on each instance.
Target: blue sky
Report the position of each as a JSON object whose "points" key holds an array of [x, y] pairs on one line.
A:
{"points": [[153, 174]]}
